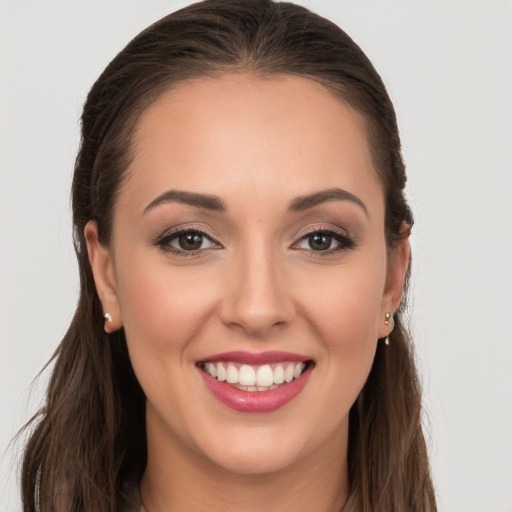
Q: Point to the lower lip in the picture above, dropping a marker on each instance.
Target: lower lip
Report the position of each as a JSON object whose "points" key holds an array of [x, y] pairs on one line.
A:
{"points": [[255, 401]]}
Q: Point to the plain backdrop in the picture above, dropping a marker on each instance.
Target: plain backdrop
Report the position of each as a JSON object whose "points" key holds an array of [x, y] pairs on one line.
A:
{"points": [[448, 68]]}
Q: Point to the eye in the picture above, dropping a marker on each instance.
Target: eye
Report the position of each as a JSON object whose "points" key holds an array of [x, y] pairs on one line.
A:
{"points": [[324, 241], [189, 241], [185, 241]]}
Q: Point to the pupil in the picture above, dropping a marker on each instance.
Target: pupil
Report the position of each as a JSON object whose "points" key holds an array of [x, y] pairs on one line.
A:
{"points": [[190, 241], [319, 242]]}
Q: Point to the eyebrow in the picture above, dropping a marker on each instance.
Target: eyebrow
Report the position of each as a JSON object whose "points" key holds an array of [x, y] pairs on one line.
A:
{"points": [[191, 198], [215, 203], [332, 194]]}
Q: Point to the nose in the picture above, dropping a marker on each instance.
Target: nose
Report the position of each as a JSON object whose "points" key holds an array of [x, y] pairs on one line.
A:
{"points": [[257, 295]]}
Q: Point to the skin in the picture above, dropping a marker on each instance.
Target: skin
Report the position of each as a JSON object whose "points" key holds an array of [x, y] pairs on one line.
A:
{"points": [[257, 144]]}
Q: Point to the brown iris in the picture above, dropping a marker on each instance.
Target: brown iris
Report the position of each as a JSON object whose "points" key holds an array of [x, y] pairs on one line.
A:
{"points": [[190, 241], [320, 242]]}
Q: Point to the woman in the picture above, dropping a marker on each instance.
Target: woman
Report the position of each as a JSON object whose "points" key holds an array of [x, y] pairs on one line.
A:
{"points": [[242, 237]]}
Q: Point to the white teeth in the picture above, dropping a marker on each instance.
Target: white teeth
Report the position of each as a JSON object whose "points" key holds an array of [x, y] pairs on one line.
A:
{"points": [[258, 378], [221, 372], [265, 376], [288, 373], [211, 369], [247, 376], [279, 374], [232, 374]]}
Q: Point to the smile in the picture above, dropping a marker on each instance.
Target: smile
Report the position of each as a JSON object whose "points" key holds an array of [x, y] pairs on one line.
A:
{"points": [[254, 378], [250, 382]]}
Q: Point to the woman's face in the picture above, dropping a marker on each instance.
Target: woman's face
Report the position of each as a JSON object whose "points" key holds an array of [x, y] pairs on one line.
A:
{"points": [[248, 245]]}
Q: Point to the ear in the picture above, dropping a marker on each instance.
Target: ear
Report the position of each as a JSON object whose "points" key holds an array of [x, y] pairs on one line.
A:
{"points": [[102, 266], [398, 264]]}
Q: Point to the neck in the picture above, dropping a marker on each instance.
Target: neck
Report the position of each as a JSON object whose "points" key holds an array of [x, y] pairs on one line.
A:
{"points": [[182, 480]]}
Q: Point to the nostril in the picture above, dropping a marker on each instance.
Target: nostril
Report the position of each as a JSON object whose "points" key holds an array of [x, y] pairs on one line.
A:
{"points": [[257, 298], [256, 320]]}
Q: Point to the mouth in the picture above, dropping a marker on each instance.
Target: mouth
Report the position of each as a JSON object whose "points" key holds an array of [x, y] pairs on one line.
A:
{"points": [[250, 382], [255, 378]]}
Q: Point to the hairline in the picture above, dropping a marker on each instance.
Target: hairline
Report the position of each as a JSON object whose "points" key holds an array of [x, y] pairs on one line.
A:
{"points": [[149, 98]]}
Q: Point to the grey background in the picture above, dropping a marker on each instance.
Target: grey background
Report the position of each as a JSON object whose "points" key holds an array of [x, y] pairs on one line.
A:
{"points": [[448, 67]]}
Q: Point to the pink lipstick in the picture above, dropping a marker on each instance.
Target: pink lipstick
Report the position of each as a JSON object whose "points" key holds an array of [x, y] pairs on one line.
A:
{"points": [[243, 357]]}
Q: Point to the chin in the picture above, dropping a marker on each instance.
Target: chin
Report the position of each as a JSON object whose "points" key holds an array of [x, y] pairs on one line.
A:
{"points": [[255, 451], [254, 461]]}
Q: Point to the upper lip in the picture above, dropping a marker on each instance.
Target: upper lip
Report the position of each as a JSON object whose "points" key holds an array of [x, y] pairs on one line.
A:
{"points": [[256, 358]]}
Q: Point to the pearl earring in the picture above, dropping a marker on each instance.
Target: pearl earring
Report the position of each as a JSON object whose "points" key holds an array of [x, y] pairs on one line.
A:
{"points": [[107, 317], [387, 317]]}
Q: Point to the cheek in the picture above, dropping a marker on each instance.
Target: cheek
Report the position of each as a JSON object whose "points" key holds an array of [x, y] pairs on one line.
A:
{"points": [[345, 315], [346, 308], [162, 308]]}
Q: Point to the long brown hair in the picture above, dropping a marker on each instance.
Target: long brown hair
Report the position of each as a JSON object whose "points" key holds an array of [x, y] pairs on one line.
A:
{"points": [[89, 438]]}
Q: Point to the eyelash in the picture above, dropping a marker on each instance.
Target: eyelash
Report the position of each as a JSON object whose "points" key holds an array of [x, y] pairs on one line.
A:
{"points": [[164, 241], [345, 241]]}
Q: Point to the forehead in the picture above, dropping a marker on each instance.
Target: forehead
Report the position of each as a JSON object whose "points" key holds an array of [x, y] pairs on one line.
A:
{"points": [[264, 134]]}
